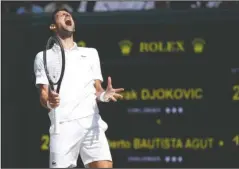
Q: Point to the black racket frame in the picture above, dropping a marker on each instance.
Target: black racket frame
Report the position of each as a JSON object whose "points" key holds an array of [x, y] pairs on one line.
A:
{"points": [[58, 83]]}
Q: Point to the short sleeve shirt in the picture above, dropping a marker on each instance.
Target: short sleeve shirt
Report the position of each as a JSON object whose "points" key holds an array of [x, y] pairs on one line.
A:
{"points": [[77, 92]]}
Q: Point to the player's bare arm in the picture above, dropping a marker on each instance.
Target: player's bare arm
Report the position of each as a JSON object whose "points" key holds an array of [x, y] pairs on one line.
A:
{"points": [[43, 91], [110, 93], [48, 98]]}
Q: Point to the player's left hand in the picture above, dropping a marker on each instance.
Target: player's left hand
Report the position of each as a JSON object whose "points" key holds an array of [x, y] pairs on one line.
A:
{"points": [[111, 93]]}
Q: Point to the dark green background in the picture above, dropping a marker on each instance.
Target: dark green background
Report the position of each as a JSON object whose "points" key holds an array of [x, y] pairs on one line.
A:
{"points": [[216, 115]]}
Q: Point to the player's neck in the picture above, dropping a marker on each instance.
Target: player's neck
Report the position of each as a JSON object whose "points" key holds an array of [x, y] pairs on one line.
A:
{"points": [[67, 43]]}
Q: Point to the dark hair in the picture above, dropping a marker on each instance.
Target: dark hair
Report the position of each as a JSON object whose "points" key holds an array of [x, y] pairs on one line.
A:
{"points": [[55, 12]]}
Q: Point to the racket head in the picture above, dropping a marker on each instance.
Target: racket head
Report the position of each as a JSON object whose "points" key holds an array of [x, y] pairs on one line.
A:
{"points": [[54, 62]]}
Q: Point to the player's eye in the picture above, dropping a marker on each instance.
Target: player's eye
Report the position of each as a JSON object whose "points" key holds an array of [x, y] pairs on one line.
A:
{"points": [[62, 14]]}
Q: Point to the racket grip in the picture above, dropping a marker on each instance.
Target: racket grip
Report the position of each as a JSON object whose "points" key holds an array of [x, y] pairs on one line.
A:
{"points": [[56, 123]]}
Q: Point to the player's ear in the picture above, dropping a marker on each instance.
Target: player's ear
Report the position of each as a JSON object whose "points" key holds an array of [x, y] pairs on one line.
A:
{"points": [[52, 27]]}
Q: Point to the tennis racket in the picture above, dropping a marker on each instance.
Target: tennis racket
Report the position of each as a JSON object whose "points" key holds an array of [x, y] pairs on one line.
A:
{"points": [[54, 65]]}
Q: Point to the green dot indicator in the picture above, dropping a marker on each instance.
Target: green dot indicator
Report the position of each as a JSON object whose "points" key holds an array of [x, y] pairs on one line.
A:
{"points": [[158, 121], [221, 143]]}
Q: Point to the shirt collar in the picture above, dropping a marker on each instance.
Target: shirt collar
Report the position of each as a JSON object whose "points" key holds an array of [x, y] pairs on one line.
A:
{"points": [[57, 47]]}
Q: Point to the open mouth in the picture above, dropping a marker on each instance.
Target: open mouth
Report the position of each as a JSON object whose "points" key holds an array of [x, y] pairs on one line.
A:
{"points": [[68, 22]]}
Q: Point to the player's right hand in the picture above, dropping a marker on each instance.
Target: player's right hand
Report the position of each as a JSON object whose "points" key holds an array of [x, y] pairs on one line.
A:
{"points": [[54, 99]]}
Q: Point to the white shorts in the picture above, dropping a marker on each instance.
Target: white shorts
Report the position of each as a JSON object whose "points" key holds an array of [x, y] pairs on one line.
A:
{"points": [[85, 136]]}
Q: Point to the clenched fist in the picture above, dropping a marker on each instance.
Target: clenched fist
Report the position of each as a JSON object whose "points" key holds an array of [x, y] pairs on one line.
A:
{"points": [[53, 99]]}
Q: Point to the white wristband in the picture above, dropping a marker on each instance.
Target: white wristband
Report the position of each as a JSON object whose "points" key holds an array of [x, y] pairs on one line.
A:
{"points": [[48, 105], [102, 97]]}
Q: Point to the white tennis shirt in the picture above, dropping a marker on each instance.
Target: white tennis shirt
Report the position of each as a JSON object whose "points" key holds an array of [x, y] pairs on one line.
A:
{"points": [[77, 92]]}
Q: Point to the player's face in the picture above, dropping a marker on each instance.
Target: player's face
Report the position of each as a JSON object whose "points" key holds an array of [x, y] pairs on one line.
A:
{"points": [[64, 21]]}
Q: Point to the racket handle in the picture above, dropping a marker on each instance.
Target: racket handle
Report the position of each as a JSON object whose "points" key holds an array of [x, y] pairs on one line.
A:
{"points": [[56, 123]]}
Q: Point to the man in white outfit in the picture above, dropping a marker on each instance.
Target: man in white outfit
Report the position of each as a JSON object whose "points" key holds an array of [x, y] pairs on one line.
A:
{"points": [[82, 131]]}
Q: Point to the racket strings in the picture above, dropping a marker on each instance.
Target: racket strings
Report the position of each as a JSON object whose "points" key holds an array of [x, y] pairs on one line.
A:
{"points": [[54, 61]]}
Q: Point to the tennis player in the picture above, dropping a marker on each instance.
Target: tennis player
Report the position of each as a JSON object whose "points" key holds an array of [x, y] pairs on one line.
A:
{"points": [[82, 131]]}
